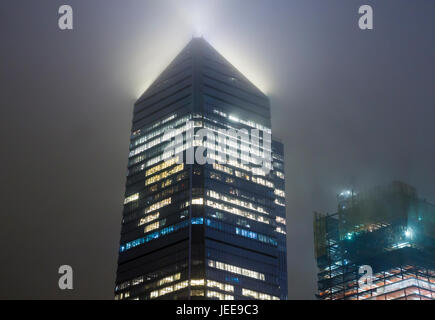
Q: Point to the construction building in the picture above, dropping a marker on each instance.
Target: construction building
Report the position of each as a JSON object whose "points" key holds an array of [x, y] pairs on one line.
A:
{"points": [[379, 245]]}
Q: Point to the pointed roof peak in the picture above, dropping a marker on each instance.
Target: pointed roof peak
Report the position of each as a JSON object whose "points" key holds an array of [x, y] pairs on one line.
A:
{"points": [[199, 47]]}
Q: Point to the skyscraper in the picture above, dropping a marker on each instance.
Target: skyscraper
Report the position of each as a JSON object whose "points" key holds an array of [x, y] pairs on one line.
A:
{"points": [[379, 245], [194, 230]]}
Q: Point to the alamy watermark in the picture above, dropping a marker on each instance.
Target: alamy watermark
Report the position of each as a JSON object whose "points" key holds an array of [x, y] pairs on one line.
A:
{"points": [[65, 21], [198, 145], [366, 280], [66, 280], [365, 22]]}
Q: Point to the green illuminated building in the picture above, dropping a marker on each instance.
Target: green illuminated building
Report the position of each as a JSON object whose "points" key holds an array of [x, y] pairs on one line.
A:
{"points": [[387, 228]]}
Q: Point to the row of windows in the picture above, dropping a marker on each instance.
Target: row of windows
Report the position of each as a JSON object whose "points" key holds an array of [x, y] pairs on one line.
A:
{"points": [[169, 289], [154, 226], [170, 186], [280, 220], [219, 295], [242, 190], [166, 183], [158, 205], [236, 211], [216, 124], [255, 236], [166, 156], [221, 157], [238, 140], [177, 203], [136, 134], [169, 279], [167, 136], [225, 217], [239, 174], [236, 201], [153, 236], [138, 280], [279, 174], [258, 295], [279, 202], [279, 192], [174, 139], [157, 154], [148, 218], [235, 269], [242, 121], [164, 165], [155, 133], [220, 285], [198, 282], [280, 230], [154, 199], [172, 278], [164, 174], [217, 176], [236, 230], [131, 198]]}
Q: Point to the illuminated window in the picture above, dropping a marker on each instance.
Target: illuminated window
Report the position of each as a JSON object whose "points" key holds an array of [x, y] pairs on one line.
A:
{"points": [[168, 289], [279, 192], [234, 269], [263, 182], [280, 220], [197, 282], [198, 201], [280, 230], [153, 236], [256, 236], [197, 293], [279, 202], [220, 296], [220, 286], [131, 198], [279, 174], [237, 211], [151, 227], [164, 174], [236, 201], [169, 279], [161, 166], [158, 205], [258, 295], [149, 218]]}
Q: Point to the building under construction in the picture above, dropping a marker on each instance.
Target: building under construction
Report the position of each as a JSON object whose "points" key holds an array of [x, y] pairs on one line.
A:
{"points": [[379, 245]]}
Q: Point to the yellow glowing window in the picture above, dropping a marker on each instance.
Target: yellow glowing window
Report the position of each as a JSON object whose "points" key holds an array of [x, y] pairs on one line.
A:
{"points": [[158, 205], [198, 201], [197, 282], [131, 198], [161, 166], [234, 269], [149, 218], [169, 279], [151, 227], [164, 174]]}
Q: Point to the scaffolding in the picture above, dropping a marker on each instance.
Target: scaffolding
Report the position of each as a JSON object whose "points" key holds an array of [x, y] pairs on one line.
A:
{"points": [[387, 228]]}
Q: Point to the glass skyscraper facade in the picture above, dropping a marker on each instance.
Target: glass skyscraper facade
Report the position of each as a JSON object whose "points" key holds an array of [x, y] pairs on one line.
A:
{"points": [[379, 245], [202, 231]]}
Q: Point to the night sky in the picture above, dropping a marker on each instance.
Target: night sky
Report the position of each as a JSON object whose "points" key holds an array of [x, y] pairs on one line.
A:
{"points": [[353, 108]]}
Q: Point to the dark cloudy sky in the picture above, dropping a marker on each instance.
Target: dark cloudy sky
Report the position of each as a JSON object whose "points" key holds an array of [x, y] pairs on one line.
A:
{"points": [[351, 106]]}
